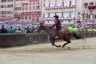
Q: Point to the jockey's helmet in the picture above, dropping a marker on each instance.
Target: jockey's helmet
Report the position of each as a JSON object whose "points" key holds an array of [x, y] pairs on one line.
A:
{"points": [[56, 16]]}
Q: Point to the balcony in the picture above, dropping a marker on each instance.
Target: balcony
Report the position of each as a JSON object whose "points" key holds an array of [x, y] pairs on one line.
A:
{"points": [[60, 7]]}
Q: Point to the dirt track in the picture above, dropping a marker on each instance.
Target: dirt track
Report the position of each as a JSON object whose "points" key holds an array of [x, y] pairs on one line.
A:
{"points": [[78, 52]]}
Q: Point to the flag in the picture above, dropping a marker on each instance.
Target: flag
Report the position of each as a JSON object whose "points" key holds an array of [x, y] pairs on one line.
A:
{"points": [[33, 0]]}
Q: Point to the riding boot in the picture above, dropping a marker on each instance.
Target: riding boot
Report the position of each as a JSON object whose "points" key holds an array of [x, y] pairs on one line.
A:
{"points": [[56, 35]]}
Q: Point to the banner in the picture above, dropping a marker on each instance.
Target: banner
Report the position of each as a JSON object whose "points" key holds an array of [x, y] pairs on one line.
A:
{"points": [[33, 0]]}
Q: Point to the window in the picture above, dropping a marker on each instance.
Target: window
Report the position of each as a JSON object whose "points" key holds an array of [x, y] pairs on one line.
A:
{"points": [[44, 0], [49, 4], [2, 6], [95, 3], [25, 18], [33, 7], [46, 4], [63, 14], [72, 14], [62, 3], [29, 18], [52, 14], [85, 4], [43, 15], [48, 14], [43, 5], [59, 14], [3, 0], [22, 18], [33, 3], [52, 4], [3, 12], [70, 3], [66, 15], [69, 14], [59, 4], [38, 7], [9, 0], [91, 3], [9, 6], [55, 3], [78, 13], [95, 16]]}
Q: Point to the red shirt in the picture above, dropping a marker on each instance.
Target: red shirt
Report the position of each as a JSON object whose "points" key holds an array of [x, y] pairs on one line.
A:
{"points": [[57, 24]]}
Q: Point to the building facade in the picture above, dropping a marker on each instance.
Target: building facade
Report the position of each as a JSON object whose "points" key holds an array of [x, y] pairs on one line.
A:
{"points": [[20, 10], [6, 9], [28, 10], [89, 12], [67, 10], [44, 10]]}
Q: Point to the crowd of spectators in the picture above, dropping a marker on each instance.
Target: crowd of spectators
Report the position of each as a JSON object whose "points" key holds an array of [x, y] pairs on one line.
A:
{"points": [[77, 26], [12, 29]]}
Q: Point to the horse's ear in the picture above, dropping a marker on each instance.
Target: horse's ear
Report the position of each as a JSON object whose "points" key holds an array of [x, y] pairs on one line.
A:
{"points": [[41, 23], [47, 26]]}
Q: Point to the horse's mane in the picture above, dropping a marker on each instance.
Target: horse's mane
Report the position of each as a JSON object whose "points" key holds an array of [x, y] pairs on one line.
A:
{"points": [[50, 29]]}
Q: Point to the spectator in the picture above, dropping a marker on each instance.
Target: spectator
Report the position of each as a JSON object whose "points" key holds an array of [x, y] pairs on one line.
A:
{"points": [[11, 30], [18, 30], [28, 30], [3, 29], [79, 25]]}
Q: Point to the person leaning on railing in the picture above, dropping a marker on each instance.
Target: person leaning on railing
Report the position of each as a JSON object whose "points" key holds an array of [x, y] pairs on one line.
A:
{"points": [[3, 29], [72, 29], [11, 30]]}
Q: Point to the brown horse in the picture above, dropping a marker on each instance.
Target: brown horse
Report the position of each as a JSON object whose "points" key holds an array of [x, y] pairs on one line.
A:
{"points": [[64, 35]]}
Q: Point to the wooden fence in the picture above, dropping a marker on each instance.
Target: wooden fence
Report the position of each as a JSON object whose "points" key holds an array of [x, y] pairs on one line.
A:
{"points": [[31, 38], [36, 37]]}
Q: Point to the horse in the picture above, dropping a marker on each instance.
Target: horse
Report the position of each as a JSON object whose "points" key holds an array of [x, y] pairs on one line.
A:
{"points": [[65, 35]]}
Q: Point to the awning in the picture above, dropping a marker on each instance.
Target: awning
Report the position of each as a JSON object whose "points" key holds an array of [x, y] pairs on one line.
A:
{"points": [[33, 0], [25, 14], [6, 18], [91, 7], [90, 22]]}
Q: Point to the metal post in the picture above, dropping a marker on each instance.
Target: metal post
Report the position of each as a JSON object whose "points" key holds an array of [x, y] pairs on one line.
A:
{"points": [[84, 36], [75, 8]]}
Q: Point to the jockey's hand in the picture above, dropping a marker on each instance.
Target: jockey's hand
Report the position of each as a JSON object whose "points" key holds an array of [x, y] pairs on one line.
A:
{"points": [[51, 27]]}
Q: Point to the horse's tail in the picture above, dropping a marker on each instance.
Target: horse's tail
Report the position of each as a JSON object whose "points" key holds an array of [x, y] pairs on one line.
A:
{"points": [[76, 35]]}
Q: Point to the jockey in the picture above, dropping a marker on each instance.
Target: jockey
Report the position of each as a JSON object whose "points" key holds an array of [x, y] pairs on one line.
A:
{"points": [[57, 25], [41, 23]]}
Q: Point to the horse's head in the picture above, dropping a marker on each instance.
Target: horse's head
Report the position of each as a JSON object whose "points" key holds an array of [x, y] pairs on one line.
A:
{"points": [[45, 28], [40, 28]]}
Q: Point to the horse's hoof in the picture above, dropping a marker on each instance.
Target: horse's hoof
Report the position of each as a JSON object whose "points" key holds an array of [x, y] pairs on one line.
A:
{"points": [[62, 46], [59, 46], [69, 48]]}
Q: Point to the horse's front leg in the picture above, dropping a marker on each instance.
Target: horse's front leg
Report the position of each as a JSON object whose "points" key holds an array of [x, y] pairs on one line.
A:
{"points": [[68, 41], [52, 40]]}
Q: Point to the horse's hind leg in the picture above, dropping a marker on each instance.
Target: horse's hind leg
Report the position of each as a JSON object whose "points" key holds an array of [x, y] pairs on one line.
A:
{"points": [[68, 41], [52, 40]]}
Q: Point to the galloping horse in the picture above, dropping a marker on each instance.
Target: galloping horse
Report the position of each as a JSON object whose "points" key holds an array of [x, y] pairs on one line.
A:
{"points": [[64, 35]]}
